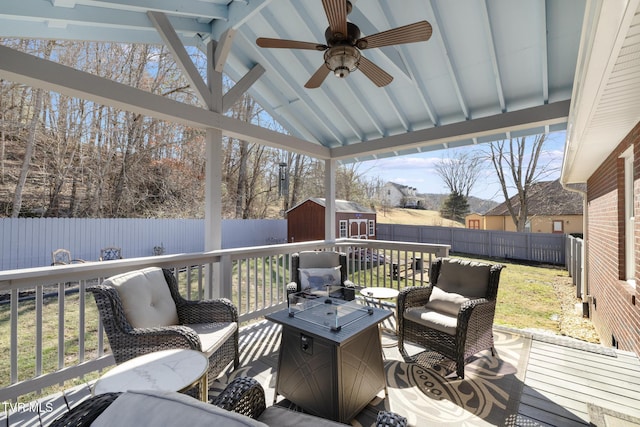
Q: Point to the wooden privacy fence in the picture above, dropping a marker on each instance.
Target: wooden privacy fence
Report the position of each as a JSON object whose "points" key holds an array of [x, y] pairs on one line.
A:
{"points": [[574, 252], [537, 247], [28, 242]]}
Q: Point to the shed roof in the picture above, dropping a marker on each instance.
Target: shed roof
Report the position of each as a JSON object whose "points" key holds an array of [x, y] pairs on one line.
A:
{"points": [[342, 206]]}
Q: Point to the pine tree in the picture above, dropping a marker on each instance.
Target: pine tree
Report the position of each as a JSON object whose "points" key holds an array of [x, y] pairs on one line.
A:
{"points": [[455, 207]]}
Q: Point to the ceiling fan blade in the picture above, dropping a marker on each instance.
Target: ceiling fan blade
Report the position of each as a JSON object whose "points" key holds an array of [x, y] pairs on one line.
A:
{"points": [[376, 74], [416, 32], [318, 77], [336, 11], [289, 44]]}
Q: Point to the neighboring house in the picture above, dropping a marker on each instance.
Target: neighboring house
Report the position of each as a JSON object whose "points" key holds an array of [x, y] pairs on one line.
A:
{"points": [[551, 209], [400, 196], [305, 221]]}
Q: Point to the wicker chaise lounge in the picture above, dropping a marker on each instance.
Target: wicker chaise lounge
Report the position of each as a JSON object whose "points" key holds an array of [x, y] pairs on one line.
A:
{"points": [[142, 312], [241, 403], [454, 314]]}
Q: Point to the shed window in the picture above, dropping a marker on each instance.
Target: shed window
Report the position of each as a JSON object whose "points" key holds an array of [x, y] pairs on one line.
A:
{"points": [[343, 228], [372, 227]]}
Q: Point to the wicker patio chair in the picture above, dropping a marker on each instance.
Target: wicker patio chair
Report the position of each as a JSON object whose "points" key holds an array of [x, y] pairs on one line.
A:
{"points": [[244, 395], [142, 312], [63, 257], [313, 270], [110, 254], [454, 314]]}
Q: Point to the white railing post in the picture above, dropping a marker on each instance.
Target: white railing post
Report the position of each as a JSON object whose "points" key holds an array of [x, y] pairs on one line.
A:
{"points": [[226, 277]]}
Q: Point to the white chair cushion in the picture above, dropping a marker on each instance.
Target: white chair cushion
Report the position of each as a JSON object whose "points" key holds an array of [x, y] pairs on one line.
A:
{"points": [[155, 408], [213, 335], [433, 319], [313, 279], [445, 302], [146, 298]]}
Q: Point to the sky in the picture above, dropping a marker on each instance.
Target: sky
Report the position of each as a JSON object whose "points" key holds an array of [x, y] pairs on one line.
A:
{"points": [[419, 170]]}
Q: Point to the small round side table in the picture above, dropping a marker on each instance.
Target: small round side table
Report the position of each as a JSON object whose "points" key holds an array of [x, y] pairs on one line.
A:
{"points": [[380, 294], [166, 370]]}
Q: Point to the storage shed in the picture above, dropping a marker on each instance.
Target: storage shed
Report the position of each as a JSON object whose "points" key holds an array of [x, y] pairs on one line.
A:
{"points": [[305, 221]]}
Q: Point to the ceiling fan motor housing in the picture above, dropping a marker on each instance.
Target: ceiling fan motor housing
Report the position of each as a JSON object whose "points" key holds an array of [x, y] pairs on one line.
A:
{"points": [[342, 57], [335, 39]]}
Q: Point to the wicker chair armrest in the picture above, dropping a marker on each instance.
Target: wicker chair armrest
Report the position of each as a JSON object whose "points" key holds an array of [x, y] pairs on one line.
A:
{"points": [[207, 311], [179, 336], [467, 309], [390, 419], [86, 412], [243, 395], [477, 314], [413, 296]]}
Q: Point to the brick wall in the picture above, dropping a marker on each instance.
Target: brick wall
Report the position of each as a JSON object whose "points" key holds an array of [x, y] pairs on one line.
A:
{"points": [[615, 305]]}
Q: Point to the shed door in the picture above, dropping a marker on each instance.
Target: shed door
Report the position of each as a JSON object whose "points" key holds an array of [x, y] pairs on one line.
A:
{"points": [[358, 229]]}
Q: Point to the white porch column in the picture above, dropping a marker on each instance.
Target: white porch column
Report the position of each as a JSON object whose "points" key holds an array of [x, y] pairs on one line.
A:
{"points": [[213, 182], [330, 197]]}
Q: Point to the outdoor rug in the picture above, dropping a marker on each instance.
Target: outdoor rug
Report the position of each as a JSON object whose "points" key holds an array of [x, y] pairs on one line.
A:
{"points": [[428, 393]]}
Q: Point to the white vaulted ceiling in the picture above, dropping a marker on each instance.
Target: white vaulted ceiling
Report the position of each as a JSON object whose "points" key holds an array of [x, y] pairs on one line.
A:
{"points": [[492, 68]]}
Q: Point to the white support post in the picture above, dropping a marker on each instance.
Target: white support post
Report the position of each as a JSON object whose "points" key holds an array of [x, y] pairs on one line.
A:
{"points": [[213, 183], [330, 200]]}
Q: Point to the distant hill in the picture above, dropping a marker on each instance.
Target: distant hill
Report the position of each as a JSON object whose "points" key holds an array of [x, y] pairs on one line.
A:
{"points": [[434, 202]]}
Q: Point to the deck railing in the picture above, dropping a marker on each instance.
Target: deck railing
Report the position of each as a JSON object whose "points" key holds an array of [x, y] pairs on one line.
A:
{"points": [[51, 330]]}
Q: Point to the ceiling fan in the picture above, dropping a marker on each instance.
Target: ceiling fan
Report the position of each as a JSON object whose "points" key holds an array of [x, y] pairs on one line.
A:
{"points": [[344, 42]]}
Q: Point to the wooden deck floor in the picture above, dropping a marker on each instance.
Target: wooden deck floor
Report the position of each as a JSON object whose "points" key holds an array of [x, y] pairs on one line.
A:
{"points": [[566, 383]]}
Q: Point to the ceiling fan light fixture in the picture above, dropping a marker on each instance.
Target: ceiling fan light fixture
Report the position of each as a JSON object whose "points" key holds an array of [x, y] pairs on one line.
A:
{"points": [[342, 60]]}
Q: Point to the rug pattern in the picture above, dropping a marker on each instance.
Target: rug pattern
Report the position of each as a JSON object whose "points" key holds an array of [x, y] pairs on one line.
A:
{"points": [[427, 392]]}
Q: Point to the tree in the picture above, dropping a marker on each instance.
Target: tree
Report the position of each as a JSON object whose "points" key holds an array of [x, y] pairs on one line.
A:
{"points": [[455, 207], [460, 172], [34, 123], [517, 166]]}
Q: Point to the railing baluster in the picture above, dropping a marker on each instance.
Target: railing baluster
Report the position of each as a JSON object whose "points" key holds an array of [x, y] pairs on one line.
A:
{"points": [[256, 283], [81, 321], [248, 279], [39, 304], [188, 273], [264, 281], [60, 325], [14, 336], [100, 338]]}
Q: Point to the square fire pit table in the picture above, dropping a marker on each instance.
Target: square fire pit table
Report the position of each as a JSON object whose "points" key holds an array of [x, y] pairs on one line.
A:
{"points": [[330, 361]]}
